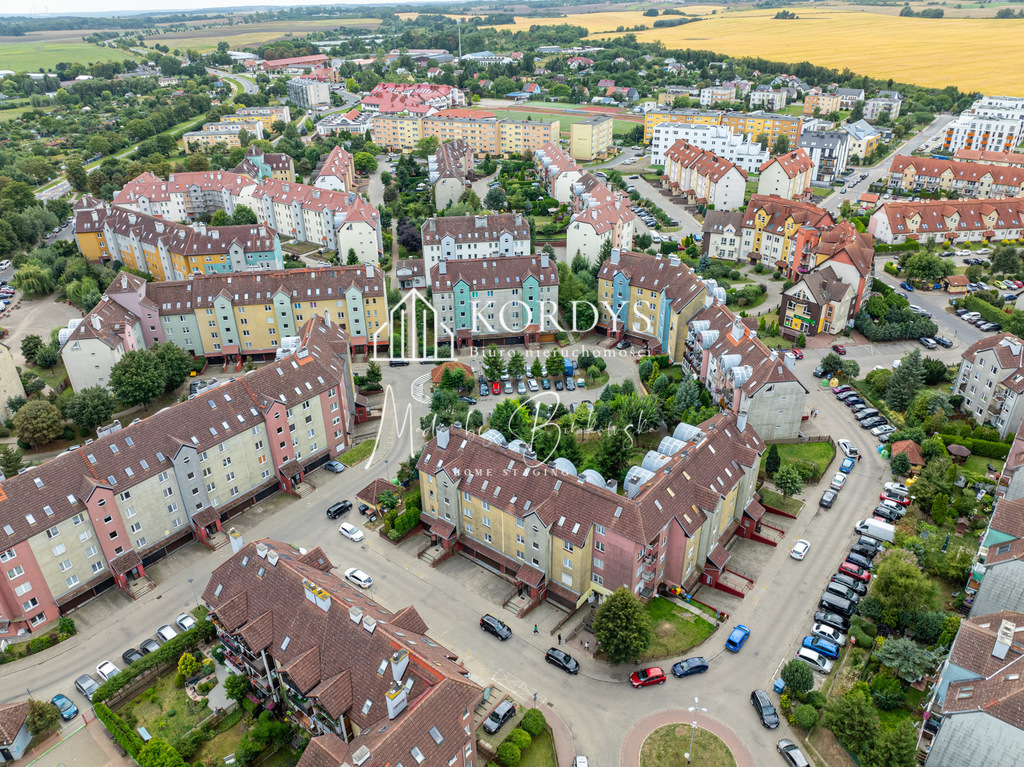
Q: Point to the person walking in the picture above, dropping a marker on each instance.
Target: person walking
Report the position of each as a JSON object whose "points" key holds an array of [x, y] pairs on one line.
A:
{"points": [[535, 629], [559, 639], [588, 645]]}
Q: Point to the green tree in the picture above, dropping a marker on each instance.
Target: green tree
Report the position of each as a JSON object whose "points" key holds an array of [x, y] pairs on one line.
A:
{"points": [[493, 363], [158, 753], [621, 627], [926, 267], [220, 218], [846, 209], [48, 356], [496, 199], [850, 369], [43, 716], [33, 279], [893, 747], [30, 346], [373, 373], [831, 364], [136, 379], [237, 686], [780, 145], [899, 584], [516, 364], [887, 692], [805, 716], [10, 460], [173, 363], [243, 216], [772, 461], [853, 719], [554, 365], [537, 368], [905, 381], [940, 510], [614, 453], [76, 174], [38, 423], [353, 258], [787, 479], [188, 665], [426, 146], [899, 465], [905, 658], [90, 408], [798, 677], [364, 162], [1006, 260]]}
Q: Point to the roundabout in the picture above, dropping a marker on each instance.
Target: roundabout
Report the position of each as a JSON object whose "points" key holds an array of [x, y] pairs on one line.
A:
{"points": [[662, 739]]}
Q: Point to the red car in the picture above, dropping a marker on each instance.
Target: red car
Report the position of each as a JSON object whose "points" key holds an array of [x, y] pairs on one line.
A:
{"points": [[839, 348], [848, 568], [902, 500], [796, 353], [496, 387], [646, 677]]}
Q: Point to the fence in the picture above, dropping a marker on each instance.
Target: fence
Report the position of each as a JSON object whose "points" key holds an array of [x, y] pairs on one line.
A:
{"points": [[137, 685]]}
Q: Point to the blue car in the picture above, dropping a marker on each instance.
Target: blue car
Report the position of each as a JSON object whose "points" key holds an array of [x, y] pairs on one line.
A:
{"points": [[737, 638], [823, 646], [907, 287], [690, 666], [847, 465], [335, 466], [68, 710]]}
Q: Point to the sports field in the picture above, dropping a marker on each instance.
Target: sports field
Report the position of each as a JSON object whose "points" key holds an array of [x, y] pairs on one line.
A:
{"points": [[31, 56], [252, 35]]}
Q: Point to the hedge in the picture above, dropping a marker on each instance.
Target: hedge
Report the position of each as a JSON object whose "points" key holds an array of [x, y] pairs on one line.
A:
{"points": [[984, 308], [661, 360], [167, 654], [891, 268], [881, 247], [880, 287], [123, 734], [979, 447]]}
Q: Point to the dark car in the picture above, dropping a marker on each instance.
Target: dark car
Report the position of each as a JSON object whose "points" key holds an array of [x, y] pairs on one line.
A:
{"points": [[558, 384], [828, 498], [872, 422], [819, 372], [886, 514], [336, 510], [765, 710], [398, 363], [864, 413], [860, 561], [865, 551], [505, 711], [851, 401], [545, 384], [86, 685], [148, 646], [944, 342], [494, 626], [563, 660], [835, 620], [68, 710], [851, 583], [130, 655], [689, 666], [570, 384], [467, 400]]}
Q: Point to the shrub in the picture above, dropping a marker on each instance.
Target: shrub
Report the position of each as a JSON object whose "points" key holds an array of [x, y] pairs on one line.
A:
{"points": [[509, 754], [887, 692], [39, 644], [533, 722], [858, 636], [218, 654], [805, 716], [521, 738], [807, 469], [798, 676], [179, 680], [816, 698], [66, 626]]}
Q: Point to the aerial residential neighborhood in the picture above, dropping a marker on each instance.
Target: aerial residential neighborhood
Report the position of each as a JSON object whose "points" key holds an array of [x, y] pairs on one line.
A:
{"points": [[420, 384]]}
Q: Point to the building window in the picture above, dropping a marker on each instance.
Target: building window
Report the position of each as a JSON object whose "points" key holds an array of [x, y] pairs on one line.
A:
{"points": [[15, 572]]}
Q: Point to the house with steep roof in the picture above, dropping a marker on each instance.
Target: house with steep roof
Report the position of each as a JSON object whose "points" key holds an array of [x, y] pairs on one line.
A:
{"points": [[986, 157], [963, 220], [913, 452], [557, 171], [410, 273], [820, 302], [457, 237], [365, 682], [14, 734], [450, 169], [99, 342], [336, 171], [788, 176], [991, 381], [602, 215], [568, 536], [258, 165], [849, 253], [703, 177]]}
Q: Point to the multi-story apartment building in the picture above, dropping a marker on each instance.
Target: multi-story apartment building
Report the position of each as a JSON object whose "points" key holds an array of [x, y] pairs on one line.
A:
{"points": [[985, 157], [967, 179], [227, 134], [819, 302], [98, 515], [748, 124], [456, 237], [829, 151], [266, 115], [496, 300], [450, 170], [568, 536], [703, 177], [788, 176], [964, 220], [299, 62], [557, 171], [99, 342], [849, 253], [748, 155], [717, 94], [333, 220], [602, 215], [484, 132], [764, 97], [170, 251], [10, 381], [848, 97], [259, 165], [308, 93], [335, 171], [996, 133], [591, 139], [823, 103], [890, 104], [368, 684], [411, 98], [863, 138], [991, 381]]}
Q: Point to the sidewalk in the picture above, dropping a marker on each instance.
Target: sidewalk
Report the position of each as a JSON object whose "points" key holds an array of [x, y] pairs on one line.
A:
{"points": [[565, 748]]}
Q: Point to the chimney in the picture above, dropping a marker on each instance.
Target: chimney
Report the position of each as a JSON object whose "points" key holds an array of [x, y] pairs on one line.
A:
{"points": [[442, 437], [616, 252], [236, 540], [95, 321], [124, 282], [399, 663], [790, 361], [1004, 639], [741, 418], [708, 299], [737, 330], [397, 700]]}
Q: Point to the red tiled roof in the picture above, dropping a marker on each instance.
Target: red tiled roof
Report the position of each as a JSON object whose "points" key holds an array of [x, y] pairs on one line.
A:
{"points": [[12, 718], [793, 163], [911, 448]]}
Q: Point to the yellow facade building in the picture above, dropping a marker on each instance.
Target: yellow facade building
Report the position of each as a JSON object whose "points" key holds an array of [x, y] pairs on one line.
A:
{"points": [[591, 138]]}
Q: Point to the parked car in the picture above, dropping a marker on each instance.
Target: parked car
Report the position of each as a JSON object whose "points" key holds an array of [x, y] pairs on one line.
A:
{"points": [[495, 388], [570, 385], [857, 559], [185, 621], [855, 585], [545, 384], [507, 388], [532, 383], [886, 514], [896, 487], [492, 625], [563, 660], [791, 753], [484, 390], [505, 711], [839, 348], [832, 634], [623, 344], [848, 394], [358, 577], [559, 385], [851, 570], [335, 510], [819, 372], [689, 667], [828, 498], [883, 429], [148, 646], [907, 287], [841, 590], [838, 481], [335, 467], [927, 343], [849, 449], [842, 388], [847, 465], [800, 549], [765, 710], [835, 620], [796, 353], [645, 677], [870, 423], [737, 638], [106, 670], [815, 660], [86, 685], [868, 412], [131, 655], [468, 400], [902, 500], [68, 710], [822, 646], [165, 633], [851, 401], [350, 531]]}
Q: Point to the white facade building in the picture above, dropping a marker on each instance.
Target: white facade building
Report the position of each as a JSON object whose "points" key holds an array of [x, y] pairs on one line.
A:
{"points": [[748, 155]]}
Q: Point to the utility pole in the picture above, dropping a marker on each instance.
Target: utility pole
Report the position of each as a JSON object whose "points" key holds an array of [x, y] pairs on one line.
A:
{"points": [[458, 25]]}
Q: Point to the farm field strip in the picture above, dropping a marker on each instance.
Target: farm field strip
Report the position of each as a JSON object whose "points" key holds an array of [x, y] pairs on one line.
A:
{"points": [[252, 35], [31, 56]]}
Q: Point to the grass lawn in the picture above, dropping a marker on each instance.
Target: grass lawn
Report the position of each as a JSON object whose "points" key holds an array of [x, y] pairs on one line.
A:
{"points": [[979, 465], [665, 748], [541, 752], [165, 711], [776, 501], [33, 56], [284, 757], [354, 455], [54, 377], [821, 192], [674, 629], [821, 453], [674, 373], [226, 741]]}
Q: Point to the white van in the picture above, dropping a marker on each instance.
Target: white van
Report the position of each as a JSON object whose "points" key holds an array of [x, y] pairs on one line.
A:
{"points": [[881, 531]]}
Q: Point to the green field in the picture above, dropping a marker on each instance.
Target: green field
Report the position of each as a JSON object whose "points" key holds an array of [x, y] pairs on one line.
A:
{"points": [[35, 56], [241, 36], [565, 120]]}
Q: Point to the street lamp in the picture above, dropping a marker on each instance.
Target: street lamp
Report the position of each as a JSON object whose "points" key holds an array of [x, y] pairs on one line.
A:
{"points": [[193, 592], [694, 708], [387, 470]]}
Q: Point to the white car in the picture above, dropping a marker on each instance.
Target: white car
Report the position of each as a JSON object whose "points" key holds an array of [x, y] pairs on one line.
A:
{"points": [[107, 669], [185, 621], [532, 383], [800, 549], [358, 577], [351, 532], [849, 449], [838, 481], [830, 633], [166, 633], [897, 488], [815, 660], [581, 761]]}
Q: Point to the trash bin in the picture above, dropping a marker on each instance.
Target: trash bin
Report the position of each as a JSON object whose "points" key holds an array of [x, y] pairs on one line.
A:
{"points": [[779, 686]]}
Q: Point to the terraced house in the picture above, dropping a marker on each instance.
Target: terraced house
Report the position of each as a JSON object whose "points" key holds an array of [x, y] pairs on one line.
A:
{"points": [[964, 220], [557, 171], [170, 251], [567, 536], [497, 300], [967, 179], [369, 684], [95, 517], [602, 215], [451, 238]]}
